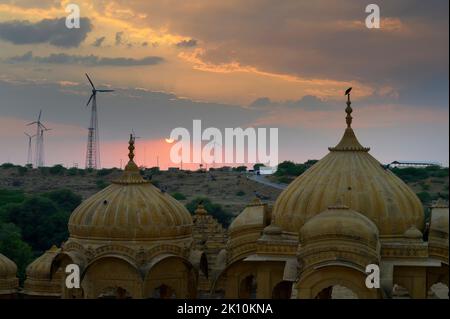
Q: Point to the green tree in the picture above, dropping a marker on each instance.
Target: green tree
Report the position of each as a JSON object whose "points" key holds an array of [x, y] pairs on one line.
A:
{"points": [[13, 247], [64, 198], [104, 171], [425, 197], [8, 196], [40, 220], [57, 169], [101, 183], [178, 196], [7, 165], [257, 166]]}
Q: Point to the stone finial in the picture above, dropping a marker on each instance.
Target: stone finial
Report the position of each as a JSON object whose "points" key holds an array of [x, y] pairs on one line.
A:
{"points": [[348, 109]]}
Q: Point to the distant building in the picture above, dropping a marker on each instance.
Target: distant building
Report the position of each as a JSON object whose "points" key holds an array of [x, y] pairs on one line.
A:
{"points": [[173, 169], [416, 164], [266, 170]]}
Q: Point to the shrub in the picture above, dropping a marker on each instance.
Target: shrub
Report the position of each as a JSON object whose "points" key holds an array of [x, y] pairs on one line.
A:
{"points": [[64, 198], [16, 183], [41, 221], [178, 196], [101, 184], [22, 170], [13, 246], [11, 196], [257, 166], [104, 172], [57, 169], [424, 197], [7, 165], [72, 171], [285, 179], [240, 193]]}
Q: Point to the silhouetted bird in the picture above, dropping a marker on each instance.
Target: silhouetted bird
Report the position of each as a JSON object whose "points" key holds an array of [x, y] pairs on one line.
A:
{"points": [[348, 91]]}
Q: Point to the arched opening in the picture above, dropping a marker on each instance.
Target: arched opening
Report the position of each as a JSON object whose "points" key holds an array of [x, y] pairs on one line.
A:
{"points": [[438, 290], [282, 290], [336, 292], [170, 277], [164, 292], [111, 277], [114, 293], [247, 288]]}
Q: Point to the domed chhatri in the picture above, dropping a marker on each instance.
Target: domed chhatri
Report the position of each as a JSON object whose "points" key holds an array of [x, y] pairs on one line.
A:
{"points": [[131, 208], [350, 173], [9, 283], [340, 222], [40, 280]]}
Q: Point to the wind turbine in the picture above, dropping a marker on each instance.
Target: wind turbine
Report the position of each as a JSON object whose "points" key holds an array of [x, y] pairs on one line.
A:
{"points": [[93, 144], [40, 128], [29, 152]]}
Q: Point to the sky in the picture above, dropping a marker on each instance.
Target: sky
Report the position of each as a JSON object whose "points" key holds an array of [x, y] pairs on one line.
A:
{"points": [[254, 63]]}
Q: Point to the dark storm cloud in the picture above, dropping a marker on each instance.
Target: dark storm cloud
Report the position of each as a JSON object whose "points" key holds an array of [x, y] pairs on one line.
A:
{"points": [[187, 43], [98, 42], [51, 31], [93, 60]]}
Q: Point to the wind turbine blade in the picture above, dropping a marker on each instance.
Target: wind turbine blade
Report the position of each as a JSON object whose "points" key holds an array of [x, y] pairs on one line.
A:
{"points": [[39, 117], [92, 95], [105, 90], [32, 123], [44, 126], [27, 134], [90, 81]]}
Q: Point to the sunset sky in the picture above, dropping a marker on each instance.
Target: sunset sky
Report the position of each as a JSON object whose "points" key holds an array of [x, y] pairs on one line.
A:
{"points": [[252, 63]]}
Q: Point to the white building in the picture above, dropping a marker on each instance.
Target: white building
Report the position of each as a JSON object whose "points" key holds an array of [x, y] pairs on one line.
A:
{"points": [[266, 170], [416, 164]]}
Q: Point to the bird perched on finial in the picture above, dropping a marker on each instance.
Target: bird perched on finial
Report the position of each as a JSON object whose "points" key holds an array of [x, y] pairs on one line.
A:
{"points": [[347, 92]]}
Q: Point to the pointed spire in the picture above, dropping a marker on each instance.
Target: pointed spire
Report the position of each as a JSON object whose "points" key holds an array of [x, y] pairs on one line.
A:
{"points": [[349, 142], [131, 174], [349, 111], [131, 148], [200, 210]]}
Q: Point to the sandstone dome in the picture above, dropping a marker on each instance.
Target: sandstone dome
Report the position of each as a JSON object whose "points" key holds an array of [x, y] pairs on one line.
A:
{"points": [[8, 280], [253, 215], [348, 173], [131, 208], [8, 268], [340, 222]]}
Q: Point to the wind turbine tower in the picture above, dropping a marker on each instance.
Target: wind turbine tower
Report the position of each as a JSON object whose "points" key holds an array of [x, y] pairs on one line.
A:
{"points": [[39, 150], [29, 152], [93, 144]]}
